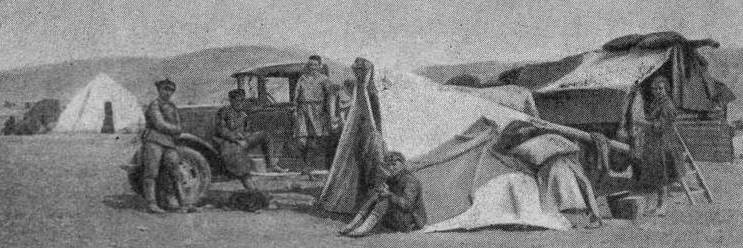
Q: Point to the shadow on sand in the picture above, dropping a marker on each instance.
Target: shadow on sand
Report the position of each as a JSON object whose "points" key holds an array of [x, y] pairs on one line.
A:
{"points": [[124, 201], [296, 199]]}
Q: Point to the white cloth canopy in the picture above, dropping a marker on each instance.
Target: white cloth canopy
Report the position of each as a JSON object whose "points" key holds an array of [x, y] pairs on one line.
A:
{"points": [[85, 111]]}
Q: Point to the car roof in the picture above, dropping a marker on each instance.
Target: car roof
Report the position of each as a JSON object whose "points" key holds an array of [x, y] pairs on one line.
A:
{"points": [[283, 70]]}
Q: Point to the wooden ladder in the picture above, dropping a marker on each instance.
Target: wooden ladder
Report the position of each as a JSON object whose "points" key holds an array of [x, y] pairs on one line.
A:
{"points": [[689, 160]]}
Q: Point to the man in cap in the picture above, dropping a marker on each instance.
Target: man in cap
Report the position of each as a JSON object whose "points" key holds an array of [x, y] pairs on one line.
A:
{"points": [[162, 126], [397, 202], [312, 115], [232, 136]]}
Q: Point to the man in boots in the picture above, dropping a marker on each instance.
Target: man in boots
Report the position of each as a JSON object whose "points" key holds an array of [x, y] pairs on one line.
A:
{"points": [[397, 203], [162, 127], [312, 115], [235, 140]]}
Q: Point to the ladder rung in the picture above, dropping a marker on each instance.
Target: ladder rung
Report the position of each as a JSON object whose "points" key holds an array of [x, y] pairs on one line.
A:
{"points": [[693, 170], [697, 191]]}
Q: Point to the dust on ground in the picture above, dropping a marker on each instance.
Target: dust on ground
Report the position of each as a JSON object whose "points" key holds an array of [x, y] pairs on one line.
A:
{"points": [[68, 191]]}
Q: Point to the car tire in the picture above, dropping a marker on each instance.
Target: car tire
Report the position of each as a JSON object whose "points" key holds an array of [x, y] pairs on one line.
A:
{"points": [[195, 170]]}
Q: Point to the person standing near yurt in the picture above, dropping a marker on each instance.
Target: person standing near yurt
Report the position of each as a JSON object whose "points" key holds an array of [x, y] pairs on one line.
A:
{"points": [[660, 152], [162, 126], [312, 116]]}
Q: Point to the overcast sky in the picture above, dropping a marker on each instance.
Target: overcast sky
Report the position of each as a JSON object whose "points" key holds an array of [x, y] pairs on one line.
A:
{"points": [[391, 32]]}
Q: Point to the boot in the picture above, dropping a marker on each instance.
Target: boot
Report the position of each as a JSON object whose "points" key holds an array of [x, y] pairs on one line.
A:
{"points": [[173, 202], [371, 221], [593, 221], [149, 196], [247, 184], [186, 206], [307, 170], [270, 164], [660, 209]]}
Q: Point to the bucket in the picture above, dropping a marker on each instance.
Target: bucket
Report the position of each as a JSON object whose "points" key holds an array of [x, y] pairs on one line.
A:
{"points": [[623, 206], [259, 163]]}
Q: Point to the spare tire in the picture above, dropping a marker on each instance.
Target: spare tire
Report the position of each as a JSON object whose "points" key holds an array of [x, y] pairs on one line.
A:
{"points": [[660, 40], [622, 43], [194, 169]]}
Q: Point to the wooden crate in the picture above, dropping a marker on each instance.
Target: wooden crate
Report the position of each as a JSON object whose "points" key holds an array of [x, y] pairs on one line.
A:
{"points": [[708, 141]]}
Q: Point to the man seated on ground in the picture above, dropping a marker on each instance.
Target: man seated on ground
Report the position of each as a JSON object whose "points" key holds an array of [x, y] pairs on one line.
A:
{"points": [[232, 138], [396, 203]]}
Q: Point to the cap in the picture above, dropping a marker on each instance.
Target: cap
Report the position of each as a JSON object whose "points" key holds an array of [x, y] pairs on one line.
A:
{"points": [[316, 57]]}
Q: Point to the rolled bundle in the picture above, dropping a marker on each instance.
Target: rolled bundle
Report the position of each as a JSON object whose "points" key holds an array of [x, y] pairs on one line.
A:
{"points": [[661, 40], [623, 43]]}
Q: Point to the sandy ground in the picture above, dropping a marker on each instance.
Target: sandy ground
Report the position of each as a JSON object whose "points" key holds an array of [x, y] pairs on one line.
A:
{"points": [[68, 191]]}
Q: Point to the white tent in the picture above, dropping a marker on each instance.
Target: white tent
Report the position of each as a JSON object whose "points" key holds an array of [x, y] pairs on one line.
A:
{"points": [[85, 111], [446, 133]]}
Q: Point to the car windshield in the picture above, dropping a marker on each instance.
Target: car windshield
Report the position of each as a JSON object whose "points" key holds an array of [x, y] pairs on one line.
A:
{"points": [[276, 88]]}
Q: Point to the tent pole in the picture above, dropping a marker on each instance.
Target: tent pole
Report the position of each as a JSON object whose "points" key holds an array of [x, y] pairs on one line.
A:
{"points": [[579, 134]]}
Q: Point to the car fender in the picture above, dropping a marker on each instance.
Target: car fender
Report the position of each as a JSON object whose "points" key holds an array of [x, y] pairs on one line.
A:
{"points": [[202, 146]]}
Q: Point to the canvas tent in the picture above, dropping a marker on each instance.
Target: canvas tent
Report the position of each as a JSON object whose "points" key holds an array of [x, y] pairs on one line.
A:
{"points": [[101, 99], [592, 90], [609, 75], [447, 135]]}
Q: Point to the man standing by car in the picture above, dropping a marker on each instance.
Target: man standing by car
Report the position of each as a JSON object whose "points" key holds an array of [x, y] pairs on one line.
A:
{"points": [[162, 126], [312, 115], [234, 141]]}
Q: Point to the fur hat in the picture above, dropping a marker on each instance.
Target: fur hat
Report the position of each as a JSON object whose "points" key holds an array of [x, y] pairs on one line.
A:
{"points": [[163, 83], [236, 93]]}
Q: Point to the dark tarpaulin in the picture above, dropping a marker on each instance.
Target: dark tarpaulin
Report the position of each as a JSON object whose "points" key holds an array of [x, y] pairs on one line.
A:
{"points": [[40, 118]]}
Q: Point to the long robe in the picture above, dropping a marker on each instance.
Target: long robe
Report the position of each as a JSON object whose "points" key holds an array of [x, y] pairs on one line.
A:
{"points": [[352, 173], [661, 155]]}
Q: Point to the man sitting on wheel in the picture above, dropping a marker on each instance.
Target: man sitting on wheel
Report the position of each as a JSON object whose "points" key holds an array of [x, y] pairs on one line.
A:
{"points": [[163, 126]]}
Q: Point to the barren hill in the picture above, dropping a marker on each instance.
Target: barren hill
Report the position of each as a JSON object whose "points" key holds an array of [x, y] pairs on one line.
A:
{"points": [[198, 74]]}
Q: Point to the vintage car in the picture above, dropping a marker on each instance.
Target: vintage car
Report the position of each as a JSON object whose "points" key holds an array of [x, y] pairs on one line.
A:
{"points": [[273, 88]]}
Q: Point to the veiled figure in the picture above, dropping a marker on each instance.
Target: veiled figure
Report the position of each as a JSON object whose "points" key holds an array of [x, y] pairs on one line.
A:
{"points": [[361, 147]]}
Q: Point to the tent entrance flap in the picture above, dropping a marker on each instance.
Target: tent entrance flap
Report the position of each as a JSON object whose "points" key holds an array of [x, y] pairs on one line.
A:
{"points": [[108, 119]]}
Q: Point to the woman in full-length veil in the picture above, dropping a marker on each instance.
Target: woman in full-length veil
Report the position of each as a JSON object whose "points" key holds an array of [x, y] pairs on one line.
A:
{"points": [[361, 147]]}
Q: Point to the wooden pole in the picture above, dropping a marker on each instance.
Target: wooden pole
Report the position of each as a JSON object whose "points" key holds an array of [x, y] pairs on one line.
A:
{"points": [[578, 134]]}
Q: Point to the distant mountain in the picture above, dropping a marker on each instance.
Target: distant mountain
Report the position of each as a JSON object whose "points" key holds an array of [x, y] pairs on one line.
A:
{"points": [[202, 76]]}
